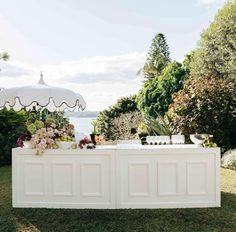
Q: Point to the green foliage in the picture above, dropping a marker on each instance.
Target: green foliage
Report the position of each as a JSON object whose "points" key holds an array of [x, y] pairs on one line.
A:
{"points": [[12, 124], [48, 117], [155, 97], [39, 124], [142, 128], [105, 117], [96, 127], [206, 105], [126, 125], [216, 53], [159, 126], [187, 63], [31, 128], [4, 56], [158, 57]]}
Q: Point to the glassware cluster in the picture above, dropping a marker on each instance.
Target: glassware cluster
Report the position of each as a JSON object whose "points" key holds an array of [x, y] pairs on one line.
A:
{"points": [[165, 139]]}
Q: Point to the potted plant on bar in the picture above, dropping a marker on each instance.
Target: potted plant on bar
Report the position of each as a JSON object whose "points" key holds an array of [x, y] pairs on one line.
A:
{"points": [[142, 132], [66, 138], [95, 133]]}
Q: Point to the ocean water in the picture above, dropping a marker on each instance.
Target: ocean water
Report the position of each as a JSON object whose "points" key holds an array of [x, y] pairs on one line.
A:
{"points": [[82, 125]]}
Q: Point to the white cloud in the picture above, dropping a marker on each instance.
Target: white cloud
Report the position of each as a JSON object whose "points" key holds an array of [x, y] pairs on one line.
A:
{"points": [[100, 79], [14, 70], [97, 68]]}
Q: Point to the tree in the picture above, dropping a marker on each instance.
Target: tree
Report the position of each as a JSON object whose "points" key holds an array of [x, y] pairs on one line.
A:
{"points": [[216, 52], [188, 62], [157, 58], [105, 117], [155, 97], [206, 105], [4, 56]]}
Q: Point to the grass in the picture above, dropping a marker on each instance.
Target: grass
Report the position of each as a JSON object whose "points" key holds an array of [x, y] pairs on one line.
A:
{"points": [[49, 220]]}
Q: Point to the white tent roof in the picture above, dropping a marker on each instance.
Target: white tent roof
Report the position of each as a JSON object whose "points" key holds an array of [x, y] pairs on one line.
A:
{"points": [[41, 96]]}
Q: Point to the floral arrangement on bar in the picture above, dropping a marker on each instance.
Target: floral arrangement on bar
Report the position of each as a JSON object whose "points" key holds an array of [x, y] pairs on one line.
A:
{"points": [[99, 139], [47, 135], [86, 143]]}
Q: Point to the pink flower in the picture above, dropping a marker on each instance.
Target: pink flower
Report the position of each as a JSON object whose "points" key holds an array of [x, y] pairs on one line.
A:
{"points": [[53, 125], [44, 138]]}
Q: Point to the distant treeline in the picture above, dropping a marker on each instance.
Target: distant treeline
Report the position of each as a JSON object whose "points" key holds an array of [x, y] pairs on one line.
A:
{"points": [[82, 114]]}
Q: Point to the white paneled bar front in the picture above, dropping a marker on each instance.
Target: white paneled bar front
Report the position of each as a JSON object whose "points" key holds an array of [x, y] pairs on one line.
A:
{"points": [[110, 178]]}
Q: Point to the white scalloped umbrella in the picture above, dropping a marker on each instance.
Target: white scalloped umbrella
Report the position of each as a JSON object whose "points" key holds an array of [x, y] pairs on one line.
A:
{"points": [[41, 96]]}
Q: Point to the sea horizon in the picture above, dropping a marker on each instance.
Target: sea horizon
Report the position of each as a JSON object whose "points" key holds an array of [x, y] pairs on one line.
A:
{"points": [[82, 124]]}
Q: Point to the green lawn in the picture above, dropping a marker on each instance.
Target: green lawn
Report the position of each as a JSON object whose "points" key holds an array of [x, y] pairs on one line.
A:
{"points": [[211, 219]]}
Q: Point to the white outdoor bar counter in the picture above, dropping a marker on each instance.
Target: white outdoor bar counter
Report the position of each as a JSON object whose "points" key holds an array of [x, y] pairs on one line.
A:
{"points": [[164, 176]]}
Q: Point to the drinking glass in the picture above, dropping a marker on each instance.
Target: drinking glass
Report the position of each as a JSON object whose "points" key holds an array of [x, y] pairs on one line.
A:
{"points": [[177, 139]]}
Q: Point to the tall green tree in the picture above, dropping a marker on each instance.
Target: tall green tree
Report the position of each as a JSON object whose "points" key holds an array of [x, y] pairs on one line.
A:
{"points": [[155, 97], [216, 52], [158, 57]]}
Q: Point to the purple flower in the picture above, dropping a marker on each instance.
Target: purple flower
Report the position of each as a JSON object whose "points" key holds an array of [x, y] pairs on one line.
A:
{"points": [[23, 137]]}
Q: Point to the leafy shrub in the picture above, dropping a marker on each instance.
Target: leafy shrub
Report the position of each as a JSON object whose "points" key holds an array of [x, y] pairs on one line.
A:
{"points": [[206, 105], [229, 159], [105, 117], [155, 97], [159, 126], [47, 117], [12, 124], [126, 125]]}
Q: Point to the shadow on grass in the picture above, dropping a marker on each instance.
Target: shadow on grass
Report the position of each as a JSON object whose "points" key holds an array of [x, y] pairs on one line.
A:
{"points": [[204, 219], [50, 220]]}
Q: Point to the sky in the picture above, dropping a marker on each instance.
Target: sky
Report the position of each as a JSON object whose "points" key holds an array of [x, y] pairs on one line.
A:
{"points": [[94, 47]]}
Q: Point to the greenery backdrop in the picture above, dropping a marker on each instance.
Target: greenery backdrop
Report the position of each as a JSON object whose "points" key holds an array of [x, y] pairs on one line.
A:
{"points": [[197, 95], [13, 124]]}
